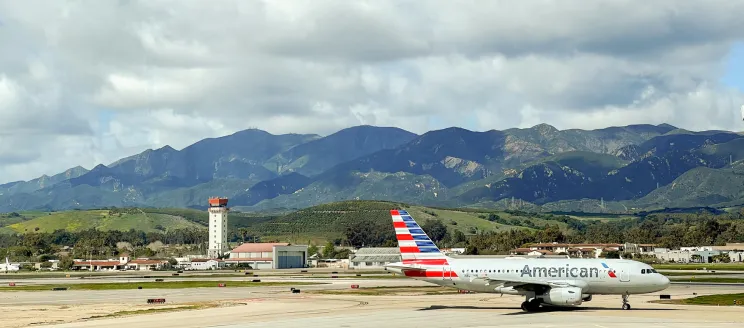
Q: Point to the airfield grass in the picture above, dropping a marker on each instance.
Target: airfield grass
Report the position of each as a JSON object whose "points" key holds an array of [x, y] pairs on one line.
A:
{"points": [[152, 285], [196, 274], [340, 276], [388, 291], [700, 266], [704, 273], [718, 299], [710, 280]]}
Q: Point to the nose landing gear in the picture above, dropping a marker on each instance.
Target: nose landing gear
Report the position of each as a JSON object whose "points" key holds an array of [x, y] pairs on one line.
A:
{"points": [[626, 305]]}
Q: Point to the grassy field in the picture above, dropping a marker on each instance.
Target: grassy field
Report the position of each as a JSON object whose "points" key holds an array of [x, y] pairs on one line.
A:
{"points": [[711, 279], [389, 291], [317, 224], [694, 273], [474, 219], [101, 220], [153, 285], [720, 299], [701, 266], [601, 218], [313, 273], [465, 220]]}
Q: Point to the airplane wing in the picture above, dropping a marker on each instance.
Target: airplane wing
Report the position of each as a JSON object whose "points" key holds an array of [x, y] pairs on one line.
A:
{"points": [[530, 284]]}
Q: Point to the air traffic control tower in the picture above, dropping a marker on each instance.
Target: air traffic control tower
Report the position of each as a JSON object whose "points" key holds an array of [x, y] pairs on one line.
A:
{"points": [[217, 227]]}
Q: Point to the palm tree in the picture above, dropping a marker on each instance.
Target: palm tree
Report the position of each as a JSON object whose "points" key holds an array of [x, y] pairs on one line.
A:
{"points": [[243, 233]]}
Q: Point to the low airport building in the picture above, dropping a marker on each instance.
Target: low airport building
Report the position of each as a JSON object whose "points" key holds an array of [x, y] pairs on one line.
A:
{"points": [[204, 264], [98, 265], [146, 264], [702, 254], [374, 257], [269, 255], [582, 250]]}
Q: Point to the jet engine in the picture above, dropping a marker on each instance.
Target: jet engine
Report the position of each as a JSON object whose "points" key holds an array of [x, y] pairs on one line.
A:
{"points": [[563, 296]]}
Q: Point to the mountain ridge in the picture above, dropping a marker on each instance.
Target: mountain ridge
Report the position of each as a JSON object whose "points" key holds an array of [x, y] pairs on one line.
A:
{"points": [[541, 166]]}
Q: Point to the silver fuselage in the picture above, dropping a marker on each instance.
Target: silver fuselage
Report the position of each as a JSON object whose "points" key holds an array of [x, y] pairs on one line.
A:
{"points": [[594, 276]]}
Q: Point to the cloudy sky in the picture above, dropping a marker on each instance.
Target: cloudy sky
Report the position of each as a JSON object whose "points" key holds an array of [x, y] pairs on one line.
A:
{"points": [[88, 82]]}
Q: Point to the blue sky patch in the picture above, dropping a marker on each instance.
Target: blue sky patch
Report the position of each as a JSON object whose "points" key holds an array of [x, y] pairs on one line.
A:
{"points": [[735, 67]]}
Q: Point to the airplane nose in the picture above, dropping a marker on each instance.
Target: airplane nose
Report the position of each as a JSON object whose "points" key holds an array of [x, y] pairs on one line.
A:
{"points": [[664, 281]]}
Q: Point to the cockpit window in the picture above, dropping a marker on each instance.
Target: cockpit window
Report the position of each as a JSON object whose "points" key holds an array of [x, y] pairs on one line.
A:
{"points": [[643, 271]]}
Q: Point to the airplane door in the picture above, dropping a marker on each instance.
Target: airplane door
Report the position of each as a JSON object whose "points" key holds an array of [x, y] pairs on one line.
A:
{"points": [[447, 273], [624, 275]]}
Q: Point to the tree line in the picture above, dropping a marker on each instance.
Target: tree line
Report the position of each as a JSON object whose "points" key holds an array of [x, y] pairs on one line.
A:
{"points": [[371, 227], [665, 230]]}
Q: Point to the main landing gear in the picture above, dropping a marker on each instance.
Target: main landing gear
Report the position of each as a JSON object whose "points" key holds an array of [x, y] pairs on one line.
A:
{"points": [[626, 305], [531, 305]]}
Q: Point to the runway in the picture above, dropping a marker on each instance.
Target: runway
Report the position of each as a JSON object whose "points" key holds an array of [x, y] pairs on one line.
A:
{"points": [[278, 307]]}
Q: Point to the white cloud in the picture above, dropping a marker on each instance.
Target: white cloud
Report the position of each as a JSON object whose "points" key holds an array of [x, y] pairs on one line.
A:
{"points": [[89, 83]]}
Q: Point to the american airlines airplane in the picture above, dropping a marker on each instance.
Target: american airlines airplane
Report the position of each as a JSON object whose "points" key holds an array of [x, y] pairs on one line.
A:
{"points": [[9, 267], [543, 282]]}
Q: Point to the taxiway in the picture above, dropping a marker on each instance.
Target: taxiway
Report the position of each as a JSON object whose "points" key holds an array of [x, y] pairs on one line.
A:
{"points": [[276, 306]]}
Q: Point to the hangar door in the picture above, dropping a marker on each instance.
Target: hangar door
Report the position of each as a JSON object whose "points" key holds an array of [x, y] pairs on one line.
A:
{"points": [[290, 259]]}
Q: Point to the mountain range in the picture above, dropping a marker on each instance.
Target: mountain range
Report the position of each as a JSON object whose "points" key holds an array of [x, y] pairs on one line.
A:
{"points": [[614, 169]]}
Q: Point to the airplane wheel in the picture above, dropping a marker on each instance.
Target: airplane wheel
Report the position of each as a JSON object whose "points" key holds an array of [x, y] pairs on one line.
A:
{"points": [[626, 306], [525, 307], [533, 305]]}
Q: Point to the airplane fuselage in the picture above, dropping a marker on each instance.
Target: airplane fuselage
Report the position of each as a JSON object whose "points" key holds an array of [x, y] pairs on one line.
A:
{"points": [[595, 276]]}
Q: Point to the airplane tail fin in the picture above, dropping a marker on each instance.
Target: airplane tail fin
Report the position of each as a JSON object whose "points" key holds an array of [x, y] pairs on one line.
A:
{"points": [[415, 245], [7, 261]]}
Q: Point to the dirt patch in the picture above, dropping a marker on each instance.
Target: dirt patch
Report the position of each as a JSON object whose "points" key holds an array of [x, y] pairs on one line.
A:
{"points": [[32, 315]]}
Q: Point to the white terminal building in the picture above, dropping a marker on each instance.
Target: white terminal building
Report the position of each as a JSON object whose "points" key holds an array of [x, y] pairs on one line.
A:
{"points": [[217, 227]]}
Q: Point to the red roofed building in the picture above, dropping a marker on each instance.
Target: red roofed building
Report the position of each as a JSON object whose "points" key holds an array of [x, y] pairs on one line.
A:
{"points": [[146, 264], [123, 263], [269, 255]]}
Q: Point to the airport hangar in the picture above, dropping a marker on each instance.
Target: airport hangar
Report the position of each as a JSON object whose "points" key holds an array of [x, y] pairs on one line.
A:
{"points": [[269, 255]]}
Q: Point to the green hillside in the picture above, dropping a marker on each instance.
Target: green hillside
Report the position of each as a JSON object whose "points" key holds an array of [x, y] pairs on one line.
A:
{"points": [[14, 217], [699, 185], [330, 221], [235, 219], [316, 224], [102, 220]]}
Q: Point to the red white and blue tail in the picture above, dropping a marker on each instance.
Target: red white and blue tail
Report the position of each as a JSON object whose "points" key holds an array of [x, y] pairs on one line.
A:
{"points": [[415, 245]]}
